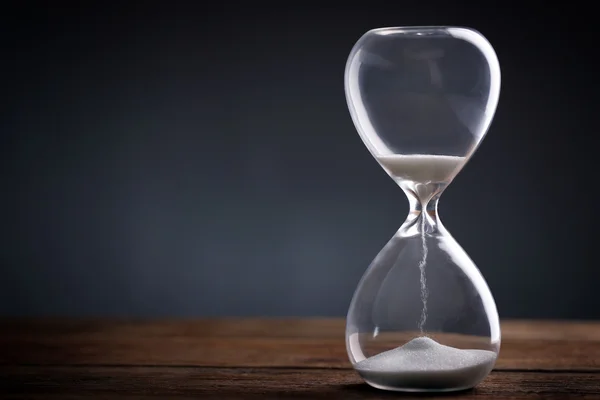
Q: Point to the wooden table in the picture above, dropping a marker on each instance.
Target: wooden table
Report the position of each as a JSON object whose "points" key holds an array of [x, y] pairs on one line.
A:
{"points": [[262, 358]]}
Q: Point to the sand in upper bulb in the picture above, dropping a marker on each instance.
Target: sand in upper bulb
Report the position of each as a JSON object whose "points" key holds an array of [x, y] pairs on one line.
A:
{"points": [[422, 168], [426, 365]]}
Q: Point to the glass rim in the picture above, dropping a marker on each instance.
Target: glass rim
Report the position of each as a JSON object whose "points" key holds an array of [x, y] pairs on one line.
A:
{"points": [[416, 29]]}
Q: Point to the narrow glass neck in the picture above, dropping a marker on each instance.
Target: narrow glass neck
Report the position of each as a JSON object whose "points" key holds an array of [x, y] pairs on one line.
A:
{"points": [[423, 214]]}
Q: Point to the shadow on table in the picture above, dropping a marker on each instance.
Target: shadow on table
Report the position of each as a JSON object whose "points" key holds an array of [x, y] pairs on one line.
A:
{"points": [[363, 390]]}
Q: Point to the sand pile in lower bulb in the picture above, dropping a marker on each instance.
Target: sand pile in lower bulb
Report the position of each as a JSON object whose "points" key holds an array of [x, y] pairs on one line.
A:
{"points": [[424, 364]]}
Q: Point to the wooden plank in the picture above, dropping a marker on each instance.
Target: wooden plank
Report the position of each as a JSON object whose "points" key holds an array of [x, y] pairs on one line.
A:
{"points": [[233, 383], [317, 343], [256, 352]]}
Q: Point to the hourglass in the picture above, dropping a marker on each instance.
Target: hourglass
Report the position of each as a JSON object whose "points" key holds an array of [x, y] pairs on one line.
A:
{"points": [[422, 317]]}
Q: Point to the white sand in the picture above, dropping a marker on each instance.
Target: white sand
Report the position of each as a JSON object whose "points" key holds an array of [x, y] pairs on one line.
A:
{"points": [[422, 168], [423, 364]]}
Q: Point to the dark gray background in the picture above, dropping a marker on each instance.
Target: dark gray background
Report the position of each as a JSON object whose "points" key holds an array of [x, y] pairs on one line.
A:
{"points": [[179, 160]]}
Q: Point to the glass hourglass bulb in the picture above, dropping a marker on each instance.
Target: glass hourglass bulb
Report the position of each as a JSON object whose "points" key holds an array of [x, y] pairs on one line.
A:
{"points": [[422, 317]]}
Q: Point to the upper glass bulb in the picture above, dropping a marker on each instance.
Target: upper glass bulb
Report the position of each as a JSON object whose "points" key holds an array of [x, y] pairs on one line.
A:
{"points": [[418, 91]]}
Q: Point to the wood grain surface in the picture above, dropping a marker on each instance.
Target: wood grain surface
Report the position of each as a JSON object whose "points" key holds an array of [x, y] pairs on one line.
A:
{"points": [[262, 358]]}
